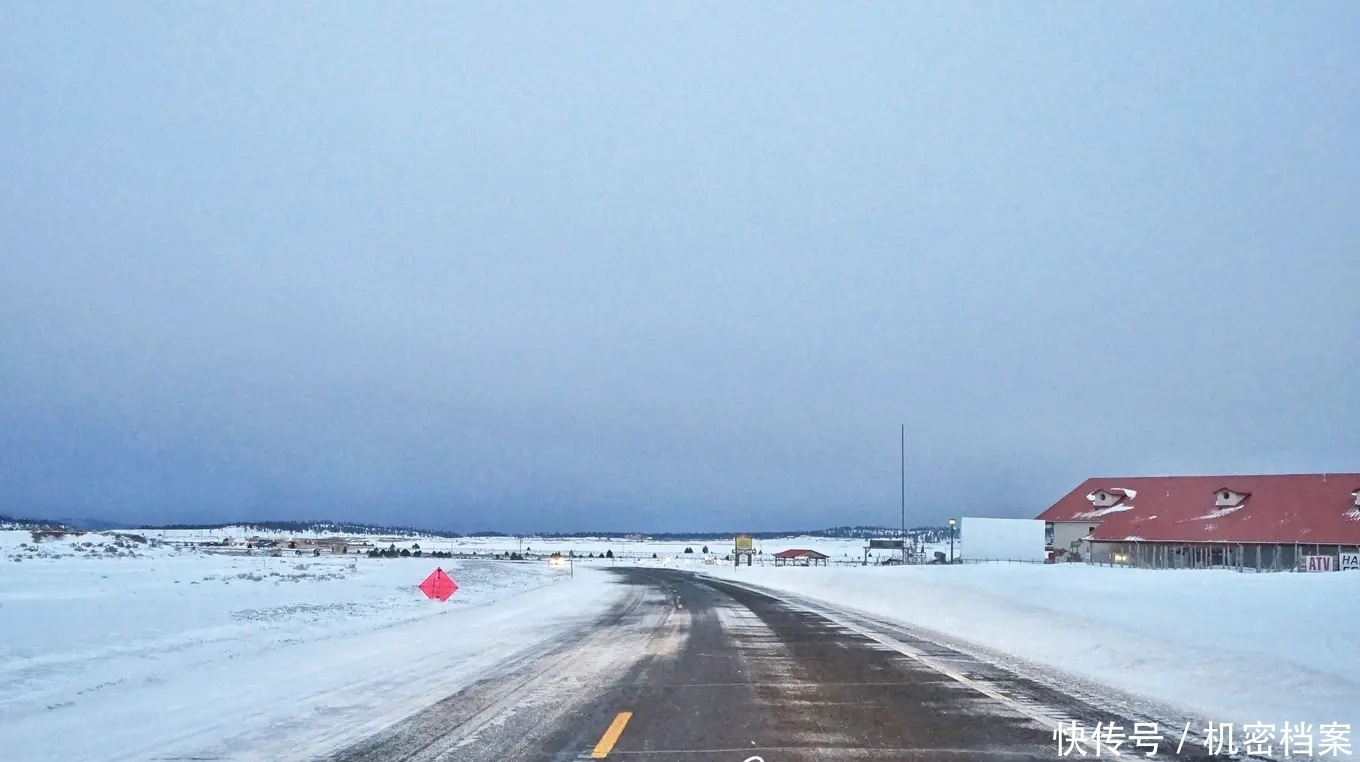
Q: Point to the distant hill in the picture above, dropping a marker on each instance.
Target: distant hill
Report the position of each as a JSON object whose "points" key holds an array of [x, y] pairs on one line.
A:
{"points": [[14, 522], [94, 525], [921, 534], [319, 527]]}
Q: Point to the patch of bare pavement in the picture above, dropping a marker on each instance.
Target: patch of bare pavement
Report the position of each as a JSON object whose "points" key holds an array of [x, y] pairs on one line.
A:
{"points": [[692, 669]]}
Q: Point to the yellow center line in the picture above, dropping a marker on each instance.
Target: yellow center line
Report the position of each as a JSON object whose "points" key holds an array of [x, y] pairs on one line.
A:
{"points": [[611, 736]]}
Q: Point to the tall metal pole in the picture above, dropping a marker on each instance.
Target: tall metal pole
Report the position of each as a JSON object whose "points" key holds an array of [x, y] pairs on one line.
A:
{"points": [[904, 493]]}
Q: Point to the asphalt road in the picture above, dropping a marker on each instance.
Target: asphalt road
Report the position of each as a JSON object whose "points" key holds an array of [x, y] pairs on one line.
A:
{"points": [[689, 668]]}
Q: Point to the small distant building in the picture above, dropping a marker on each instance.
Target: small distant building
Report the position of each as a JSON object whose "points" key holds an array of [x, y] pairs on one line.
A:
{"points": [[800, 557]]}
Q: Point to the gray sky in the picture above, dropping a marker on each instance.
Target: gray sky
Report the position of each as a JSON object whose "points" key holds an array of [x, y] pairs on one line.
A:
{"points": [[668, 266]]}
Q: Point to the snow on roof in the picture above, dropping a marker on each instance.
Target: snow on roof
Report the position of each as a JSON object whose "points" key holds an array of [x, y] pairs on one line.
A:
{"points": [[1284, 508], [1122, 491], [1103, 511], [1221, 512]]}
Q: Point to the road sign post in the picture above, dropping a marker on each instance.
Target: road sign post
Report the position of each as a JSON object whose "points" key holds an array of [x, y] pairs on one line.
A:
{"points": [[951, 541], [899, 545], [742, 545]]}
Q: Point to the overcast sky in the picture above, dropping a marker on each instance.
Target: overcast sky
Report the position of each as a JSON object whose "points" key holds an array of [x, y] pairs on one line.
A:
{"points": [[668, 266]]}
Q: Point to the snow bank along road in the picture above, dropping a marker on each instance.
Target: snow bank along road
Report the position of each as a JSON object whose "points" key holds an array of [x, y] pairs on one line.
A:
{"points": [[695, 668], [1229, 647]]}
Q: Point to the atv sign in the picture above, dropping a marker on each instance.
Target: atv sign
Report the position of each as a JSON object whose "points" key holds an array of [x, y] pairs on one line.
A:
{"points": [[1319, 563]]}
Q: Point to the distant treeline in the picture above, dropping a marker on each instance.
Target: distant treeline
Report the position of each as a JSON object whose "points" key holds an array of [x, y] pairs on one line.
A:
{"points": [[920, 534], [319, 527], [14, 522]]}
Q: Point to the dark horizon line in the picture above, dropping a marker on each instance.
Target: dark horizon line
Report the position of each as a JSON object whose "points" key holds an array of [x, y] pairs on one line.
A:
{"points": [[304, 525]]}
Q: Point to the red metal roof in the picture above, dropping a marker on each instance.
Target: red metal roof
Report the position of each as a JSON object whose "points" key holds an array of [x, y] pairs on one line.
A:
{"points": [[799, 553], [1306, 508]]}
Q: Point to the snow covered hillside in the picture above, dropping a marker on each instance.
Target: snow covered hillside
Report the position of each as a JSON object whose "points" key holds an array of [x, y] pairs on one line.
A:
{"points": [[1231, 647], [111, 647]]}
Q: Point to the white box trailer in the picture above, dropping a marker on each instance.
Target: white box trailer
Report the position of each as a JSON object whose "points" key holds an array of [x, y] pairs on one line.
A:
{"points": [[1001, 540]]}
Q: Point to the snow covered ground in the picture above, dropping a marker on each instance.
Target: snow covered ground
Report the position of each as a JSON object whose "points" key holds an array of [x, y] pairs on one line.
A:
{"points": [[1229, 647], [841, 551], [118, 649]]}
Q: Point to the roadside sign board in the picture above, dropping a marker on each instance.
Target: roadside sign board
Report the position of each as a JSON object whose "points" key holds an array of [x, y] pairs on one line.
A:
{"points": [[1349, 561], [438, 586], [885, 544], [1319, 563], [743, 544]]}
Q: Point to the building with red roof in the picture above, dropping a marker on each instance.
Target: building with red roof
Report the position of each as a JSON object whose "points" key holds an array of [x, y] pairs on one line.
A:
{"points": [[1265, 521], [800, 557]]}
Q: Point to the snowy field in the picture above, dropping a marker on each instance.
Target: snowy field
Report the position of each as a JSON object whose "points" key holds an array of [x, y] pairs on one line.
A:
{"points": [[1230, 647], [117, 649]]}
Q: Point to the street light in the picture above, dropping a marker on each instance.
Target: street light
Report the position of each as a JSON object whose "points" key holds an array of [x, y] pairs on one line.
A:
{"points": [[951, 541]]}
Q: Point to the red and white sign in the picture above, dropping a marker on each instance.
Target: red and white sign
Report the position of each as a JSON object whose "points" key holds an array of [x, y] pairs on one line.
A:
{"points": [[1319, 563], [439, 586]]}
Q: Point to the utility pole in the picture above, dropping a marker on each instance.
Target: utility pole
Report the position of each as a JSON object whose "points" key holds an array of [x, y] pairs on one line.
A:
{"points": [[904, 493]]}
